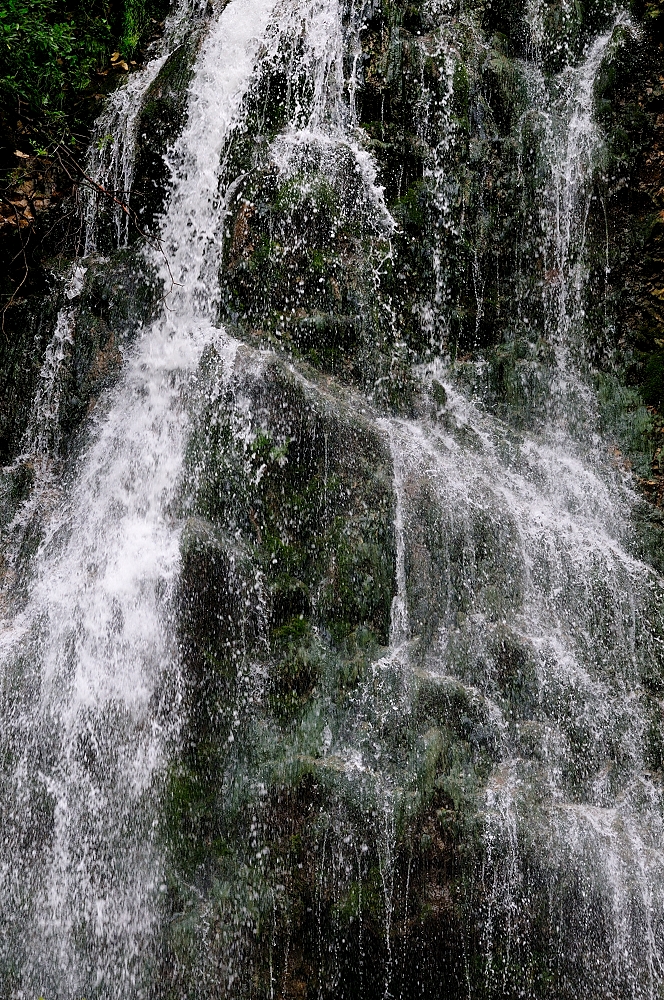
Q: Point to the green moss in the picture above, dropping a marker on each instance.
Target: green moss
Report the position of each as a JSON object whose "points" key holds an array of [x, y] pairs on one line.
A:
{"points": [[288, 270], [625, 415], [297, 668]]}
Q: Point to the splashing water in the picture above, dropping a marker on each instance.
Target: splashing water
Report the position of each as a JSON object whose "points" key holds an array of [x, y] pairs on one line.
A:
{"points": [[109, 168], [111, 156], [571, 614]]}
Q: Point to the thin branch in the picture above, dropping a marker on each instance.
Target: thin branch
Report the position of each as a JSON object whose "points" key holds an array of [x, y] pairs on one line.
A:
{"points": [[25, 264], [153, 242], [76, 175]]}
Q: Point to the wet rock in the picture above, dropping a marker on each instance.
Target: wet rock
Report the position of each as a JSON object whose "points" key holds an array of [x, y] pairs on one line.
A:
{"points": [[161, 119]]}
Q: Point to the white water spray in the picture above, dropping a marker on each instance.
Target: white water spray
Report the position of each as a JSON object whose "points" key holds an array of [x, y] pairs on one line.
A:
{"points": [[91, 653]]}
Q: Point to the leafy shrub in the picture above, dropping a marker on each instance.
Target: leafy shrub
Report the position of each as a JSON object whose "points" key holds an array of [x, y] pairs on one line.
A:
{"points": [[49, 50]]}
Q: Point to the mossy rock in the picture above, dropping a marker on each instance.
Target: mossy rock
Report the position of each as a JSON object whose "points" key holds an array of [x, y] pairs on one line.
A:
{"points": [[161, 119], [307, 485], [27, 330], [300, 261]]}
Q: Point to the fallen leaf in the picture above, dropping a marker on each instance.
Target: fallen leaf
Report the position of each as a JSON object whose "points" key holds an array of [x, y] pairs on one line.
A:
{"points": [[115, 56], [22, 156]]}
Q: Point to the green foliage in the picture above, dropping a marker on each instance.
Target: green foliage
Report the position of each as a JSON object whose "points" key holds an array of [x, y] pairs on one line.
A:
{"points": [[134, 22], [48, 50]]}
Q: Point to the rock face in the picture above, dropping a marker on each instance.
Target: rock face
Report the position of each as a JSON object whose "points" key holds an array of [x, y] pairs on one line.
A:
{"points": [[413, 689]]}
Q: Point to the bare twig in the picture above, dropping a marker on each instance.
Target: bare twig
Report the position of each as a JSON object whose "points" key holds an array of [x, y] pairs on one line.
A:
{"points": [[153, 242], [76, 174], [25, 263]]}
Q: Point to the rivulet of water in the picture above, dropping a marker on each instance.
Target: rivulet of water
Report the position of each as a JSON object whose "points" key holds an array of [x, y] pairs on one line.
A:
{"points": [[111, 155], [109, 169], [110, 163]]}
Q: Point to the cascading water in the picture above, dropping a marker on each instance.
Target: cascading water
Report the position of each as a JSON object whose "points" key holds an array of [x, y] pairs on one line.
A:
{"points": [[333, 677], [574, 607], [86, 660], [109, 169], [571, 613]]}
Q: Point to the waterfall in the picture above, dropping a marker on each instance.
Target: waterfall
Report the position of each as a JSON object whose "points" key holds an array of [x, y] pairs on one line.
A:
{"points": [[573, 603], [87, 662], [109, 170], [111, 155], [332, 668], [41, 436]]}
